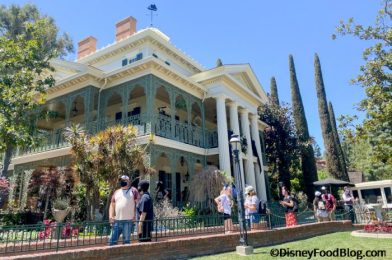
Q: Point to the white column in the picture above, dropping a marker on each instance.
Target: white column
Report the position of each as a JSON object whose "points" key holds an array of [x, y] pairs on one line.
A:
{"points": [[234, 124], [260, 177], [235, 127], [249, 166], [223, 139]]}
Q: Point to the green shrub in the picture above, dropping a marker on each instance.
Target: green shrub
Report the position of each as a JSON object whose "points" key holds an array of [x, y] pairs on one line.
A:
{"points": [[60, 204]]}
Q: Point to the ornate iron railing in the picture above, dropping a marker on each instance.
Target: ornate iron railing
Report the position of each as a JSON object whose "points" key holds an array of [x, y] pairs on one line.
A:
{"points": [[54, 139]]}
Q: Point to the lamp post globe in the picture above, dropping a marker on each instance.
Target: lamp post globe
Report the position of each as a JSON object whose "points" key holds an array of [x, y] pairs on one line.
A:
{"points": [[236, 146]]}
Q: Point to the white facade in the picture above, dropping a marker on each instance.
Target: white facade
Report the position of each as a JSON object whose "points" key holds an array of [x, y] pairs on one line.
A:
{"points": [[229, 96]]}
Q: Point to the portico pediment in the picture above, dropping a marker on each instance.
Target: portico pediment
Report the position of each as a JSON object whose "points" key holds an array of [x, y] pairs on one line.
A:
{"points": [[240, 75]]}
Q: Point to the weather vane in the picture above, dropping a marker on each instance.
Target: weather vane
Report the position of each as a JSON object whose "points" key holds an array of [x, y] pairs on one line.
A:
{"points": [[153, 8]]}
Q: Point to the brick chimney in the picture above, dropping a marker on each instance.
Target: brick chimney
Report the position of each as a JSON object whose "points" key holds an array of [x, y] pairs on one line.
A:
{"points": [[87, 46], [125, 28]]}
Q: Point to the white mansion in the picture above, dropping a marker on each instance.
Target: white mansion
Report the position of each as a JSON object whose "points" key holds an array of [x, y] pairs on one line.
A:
{"points": [[144, 80]]}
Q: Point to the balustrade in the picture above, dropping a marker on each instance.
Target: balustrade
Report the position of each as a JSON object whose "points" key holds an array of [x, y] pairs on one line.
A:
{"points": [[183, 132]]}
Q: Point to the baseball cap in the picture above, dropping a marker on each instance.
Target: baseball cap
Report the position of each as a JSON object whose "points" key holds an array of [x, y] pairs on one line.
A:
{"points": [[317, 193], [124, 177], [323, 188]]}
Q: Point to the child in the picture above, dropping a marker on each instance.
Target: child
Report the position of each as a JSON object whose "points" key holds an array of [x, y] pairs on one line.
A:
{"points": [[224, 206]]}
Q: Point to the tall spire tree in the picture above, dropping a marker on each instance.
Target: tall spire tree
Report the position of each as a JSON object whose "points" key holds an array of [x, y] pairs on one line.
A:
{"points": [[342, 159], [274, 92], [308, 162], [333, 164]]}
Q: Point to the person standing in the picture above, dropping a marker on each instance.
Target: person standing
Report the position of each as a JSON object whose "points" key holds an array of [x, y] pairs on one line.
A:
{"points": [[319, 207], [348, 203], [161, 192], [122, 211], [145, 210], [330, 202], [289, 204], [224, 204], [251, 207]]}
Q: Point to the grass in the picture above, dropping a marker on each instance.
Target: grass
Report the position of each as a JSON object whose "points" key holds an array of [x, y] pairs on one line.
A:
{"points": [[325, 242]]}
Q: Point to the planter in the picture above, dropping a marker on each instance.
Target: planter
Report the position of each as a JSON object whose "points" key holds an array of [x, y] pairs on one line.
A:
{"points": [[59, 215]]}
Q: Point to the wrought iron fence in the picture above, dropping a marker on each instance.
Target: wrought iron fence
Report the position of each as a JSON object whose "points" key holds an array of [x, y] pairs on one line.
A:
{"points": [[47, 236], [56, 236]]}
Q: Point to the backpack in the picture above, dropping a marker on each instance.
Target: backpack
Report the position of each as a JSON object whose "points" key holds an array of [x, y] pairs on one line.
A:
{"points": [[262, 208], [295, 202], [135, 193], [234, 192]]}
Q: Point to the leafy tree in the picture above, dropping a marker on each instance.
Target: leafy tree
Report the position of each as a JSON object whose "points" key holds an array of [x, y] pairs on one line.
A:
{"points": [[281, 143], [274, 92], [376, 79], [317, 150], [358, 151], [4, 190], [205, 186], [28, 41], [104, 157], [333, 164], [51, 182], [341, 156], [308, 162]]}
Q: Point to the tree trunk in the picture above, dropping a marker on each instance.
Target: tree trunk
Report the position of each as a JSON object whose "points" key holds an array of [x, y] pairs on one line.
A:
{"points": [[46, 204], [106, 212], [7, 159]]}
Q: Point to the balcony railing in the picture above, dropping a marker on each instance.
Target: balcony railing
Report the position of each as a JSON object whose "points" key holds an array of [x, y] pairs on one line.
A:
{"points": [[211, 138], [183, 132]]}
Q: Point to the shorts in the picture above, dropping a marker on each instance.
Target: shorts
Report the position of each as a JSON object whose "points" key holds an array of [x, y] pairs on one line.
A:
{"points": [[226, 216], [254, 218], [322, 213]]}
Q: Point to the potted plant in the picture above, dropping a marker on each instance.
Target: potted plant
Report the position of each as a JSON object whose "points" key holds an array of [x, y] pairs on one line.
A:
{"points": [[60, 210]]}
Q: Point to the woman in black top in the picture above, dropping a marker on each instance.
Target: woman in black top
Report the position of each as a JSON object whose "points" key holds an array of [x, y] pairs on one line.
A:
{"points": [[289, 204]]}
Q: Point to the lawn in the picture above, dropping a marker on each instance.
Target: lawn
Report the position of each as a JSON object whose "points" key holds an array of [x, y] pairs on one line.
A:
{"points": [[325, 242]]}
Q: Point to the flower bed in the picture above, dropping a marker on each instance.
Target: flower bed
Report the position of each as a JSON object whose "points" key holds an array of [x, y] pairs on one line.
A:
{"points": [[378, 227]]}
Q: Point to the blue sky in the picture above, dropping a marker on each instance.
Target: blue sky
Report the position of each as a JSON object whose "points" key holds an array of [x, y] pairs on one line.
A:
{"points": [[262, 33]]}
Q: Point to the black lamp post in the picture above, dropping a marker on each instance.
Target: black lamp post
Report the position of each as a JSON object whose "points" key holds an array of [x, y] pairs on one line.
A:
{"points": [[236, 146]]}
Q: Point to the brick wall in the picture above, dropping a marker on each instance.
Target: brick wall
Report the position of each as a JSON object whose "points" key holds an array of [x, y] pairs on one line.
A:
{"points": [[181, 248]]}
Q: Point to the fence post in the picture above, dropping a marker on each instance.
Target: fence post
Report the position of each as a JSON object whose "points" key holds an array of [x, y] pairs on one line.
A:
{"points": [[156, 230], [269, 221], [58, 235]]}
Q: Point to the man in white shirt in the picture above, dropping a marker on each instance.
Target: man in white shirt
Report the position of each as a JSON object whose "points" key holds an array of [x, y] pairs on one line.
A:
{"points": [[122, 211]]}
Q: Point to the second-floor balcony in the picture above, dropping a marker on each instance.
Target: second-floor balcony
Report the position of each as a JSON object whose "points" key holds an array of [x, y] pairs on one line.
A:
{"points": [[163, 126]]}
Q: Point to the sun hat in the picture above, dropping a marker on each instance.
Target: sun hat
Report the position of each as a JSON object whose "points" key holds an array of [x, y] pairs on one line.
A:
{"points": [[249, 189], [317, 193]]}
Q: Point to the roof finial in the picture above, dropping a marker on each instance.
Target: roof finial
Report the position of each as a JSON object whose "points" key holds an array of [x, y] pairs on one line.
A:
{"points": [[219, 62]]}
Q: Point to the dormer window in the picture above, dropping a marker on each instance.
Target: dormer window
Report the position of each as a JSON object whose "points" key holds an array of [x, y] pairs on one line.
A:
{"points": [[154, 55], [124, 62], [168, 63]]}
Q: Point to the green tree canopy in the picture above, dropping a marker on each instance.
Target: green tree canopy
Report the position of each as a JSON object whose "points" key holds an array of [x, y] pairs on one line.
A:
{"points": [[308, 163], [104, 157], [376, 80], [282, 150], [28, 41]]}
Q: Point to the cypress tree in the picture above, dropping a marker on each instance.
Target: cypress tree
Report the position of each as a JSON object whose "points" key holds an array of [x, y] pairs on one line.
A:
{"points": [[333, 164], [337, 140], [308, 162], [274, 92]]}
